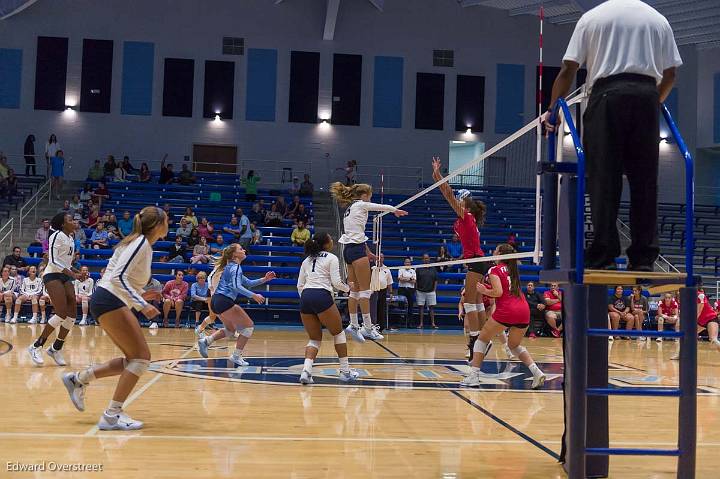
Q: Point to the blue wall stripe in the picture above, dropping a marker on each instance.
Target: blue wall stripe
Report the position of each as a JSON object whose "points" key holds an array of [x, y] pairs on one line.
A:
{"points": [[261, 84], [388, 92], [10, 77], [137, 78], [716, 109], [510, 100]]}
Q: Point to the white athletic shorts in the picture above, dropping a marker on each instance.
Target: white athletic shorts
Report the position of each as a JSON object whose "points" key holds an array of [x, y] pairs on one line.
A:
{"points": [[426, 298]]}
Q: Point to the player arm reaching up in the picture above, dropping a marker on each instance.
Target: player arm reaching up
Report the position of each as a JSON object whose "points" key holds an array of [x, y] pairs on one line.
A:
{"points": [[445, 188]]}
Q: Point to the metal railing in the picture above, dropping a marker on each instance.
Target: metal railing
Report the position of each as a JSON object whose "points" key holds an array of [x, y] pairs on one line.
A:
{"points": [[31, 205], [6, 236], [661, 263]]}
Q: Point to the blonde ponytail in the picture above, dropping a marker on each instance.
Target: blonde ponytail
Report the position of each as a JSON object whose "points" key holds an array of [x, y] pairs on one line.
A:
{"points": [[225, 258], [144, 222], [347, 194]]}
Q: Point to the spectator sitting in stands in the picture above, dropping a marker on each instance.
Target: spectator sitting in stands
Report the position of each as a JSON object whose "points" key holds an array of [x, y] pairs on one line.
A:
{"points": [[281, 205], [96, 172], [100, 194], [205, 229], [536, 302], [194, 238], [255, 216], [76, 261], [7, 292], [145, 175], [294, 187], [668, 313], [201, 252], [263, 207], [177, 250], [86, 193], [11, 183], [93, 216], [274, 217], [184, 230], [15, 259], [79, 234], [125, 224], [120, 175], [302, 215], [256, 234], [76, 205], [442, 256], [99, 238], [166, 209], [300, 234], [218, 246], [42, 233], [639, 308], [66, 208], [190, 217], [200, 296], [306, 188], [14, 273], [293, 208], [619, 310], [174, 294], [233, 228], [455, 247], [28, 290], [553, 309], [186, 177], [127, 166], [109, 166], [167, 175]]}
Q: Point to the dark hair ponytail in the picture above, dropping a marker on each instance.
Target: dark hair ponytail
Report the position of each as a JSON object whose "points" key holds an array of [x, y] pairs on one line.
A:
{"points": [[512, 267], [316, 245], [477, 208], [58, 221]]}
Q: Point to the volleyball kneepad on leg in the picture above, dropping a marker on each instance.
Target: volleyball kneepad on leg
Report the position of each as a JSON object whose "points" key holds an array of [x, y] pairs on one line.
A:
{"points": [[137, 366], [247, 332], [480, 346], [55, 321], [355, 294], [470, 307], [68, 323], [340, 338], [480, 307], [313, 344], [365, 294], [517, 351]]}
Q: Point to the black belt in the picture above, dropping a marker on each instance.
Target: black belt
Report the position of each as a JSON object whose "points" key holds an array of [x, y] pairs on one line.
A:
{"points": [[624, 77]]}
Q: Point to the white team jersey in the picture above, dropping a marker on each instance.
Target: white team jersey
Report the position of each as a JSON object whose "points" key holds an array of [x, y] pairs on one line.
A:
{"points": [[128, 272], [31, 287], [61, 251], [356, 217], [8, 285], [321, 272], [84, 288]]}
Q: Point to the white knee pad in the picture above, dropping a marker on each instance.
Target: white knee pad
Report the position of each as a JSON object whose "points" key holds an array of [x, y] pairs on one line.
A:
{"points": [[518, 351], [229, 333], [470, 307], [55, 321], [365, 294], [68, 323], [138, 366], [34, 300], [313, 344], [354, 294], [340, 338], [247, 332], [480, 307], [41, 303], [480, 346]]}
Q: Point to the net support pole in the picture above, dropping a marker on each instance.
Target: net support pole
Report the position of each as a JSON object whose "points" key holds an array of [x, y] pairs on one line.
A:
{"points": [[576, 379], [687, 408]]}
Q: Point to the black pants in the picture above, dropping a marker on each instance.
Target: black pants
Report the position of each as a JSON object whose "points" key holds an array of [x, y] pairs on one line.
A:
{"points": [[409, 293], [621, 136], [378, 308], [29, 165]]}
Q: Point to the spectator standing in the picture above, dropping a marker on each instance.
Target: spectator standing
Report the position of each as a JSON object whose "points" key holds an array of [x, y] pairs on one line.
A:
{"points": [[426, 287], [15, 259], [201, 252], [145, 175], [378, 300], [176, 253], [639, 308], [553, 309], [186, 177], [455, 247], [57, 162], [167, 175], [190, 217], [306, 187], [245, 232], [536, 302], [300, 234], [84, 288], [96, 172], [668, 312], [174, 294], [184, 230], [619, 310], [99, 238], [200, 296], [29, 152], [407, 278], [294, 188], [250, 183], [125, 224], [51, 148]]}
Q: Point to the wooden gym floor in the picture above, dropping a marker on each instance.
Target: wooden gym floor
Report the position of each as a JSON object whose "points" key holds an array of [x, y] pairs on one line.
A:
{"points": [[404, 418]]}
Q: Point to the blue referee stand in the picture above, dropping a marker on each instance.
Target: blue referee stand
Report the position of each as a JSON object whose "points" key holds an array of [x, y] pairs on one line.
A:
{"points": [[586, 440]]}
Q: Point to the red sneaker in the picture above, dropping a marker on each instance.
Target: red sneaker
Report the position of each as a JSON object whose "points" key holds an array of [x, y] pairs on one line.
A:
{"points": [[556, 333], [532, 335]]}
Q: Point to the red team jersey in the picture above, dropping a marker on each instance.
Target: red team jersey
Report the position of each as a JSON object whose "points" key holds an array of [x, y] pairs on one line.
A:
{"points": [[466, 228], [668, 310], [487, 301], [707, 314], [509, 310], [550, 294]]}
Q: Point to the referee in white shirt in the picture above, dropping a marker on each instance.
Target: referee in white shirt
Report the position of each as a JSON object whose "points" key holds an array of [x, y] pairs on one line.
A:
{"points": [[631, 57]]}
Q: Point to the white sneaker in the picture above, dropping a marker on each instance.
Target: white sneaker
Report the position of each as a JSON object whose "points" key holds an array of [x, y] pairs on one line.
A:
{"points": [[43, 320], [57, 356], [508, 352], [716, 343], [472, 380], [75, 389], [611, 338], [538, 381], [640, 339], [13, 320], [371, 333], [153, 325], [238, 360], [202, 347], [349, 375], [7, 319], [306, 378], [33, 320], [36, 355], [83, 322], [355, 333], [658, 340], [118, 422]]}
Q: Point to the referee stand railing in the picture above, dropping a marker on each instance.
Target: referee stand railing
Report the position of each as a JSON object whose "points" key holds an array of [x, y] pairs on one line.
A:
{"points": [[586, 441]]}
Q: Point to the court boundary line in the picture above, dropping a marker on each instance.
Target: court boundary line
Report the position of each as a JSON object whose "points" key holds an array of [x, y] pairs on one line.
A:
{"points": [[9, 345], [138, 392], [492, 416]]}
